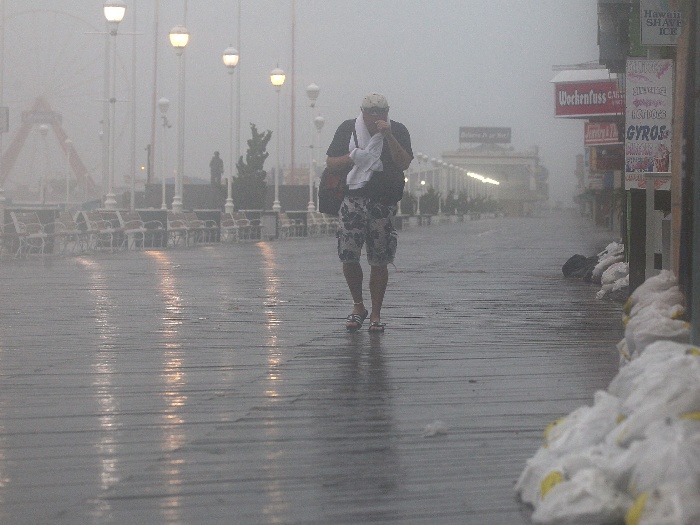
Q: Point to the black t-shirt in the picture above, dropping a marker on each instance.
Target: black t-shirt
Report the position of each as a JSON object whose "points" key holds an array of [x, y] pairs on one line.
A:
{"points": [[386, 185]]}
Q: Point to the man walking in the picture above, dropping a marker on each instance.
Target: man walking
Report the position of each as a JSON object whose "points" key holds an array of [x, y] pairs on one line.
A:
{"points": [[379, 151]]}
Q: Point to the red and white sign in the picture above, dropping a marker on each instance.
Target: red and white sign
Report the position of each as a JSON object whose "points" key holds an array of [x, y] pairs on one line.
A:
{"points": [[601, 134], [588, 99]]}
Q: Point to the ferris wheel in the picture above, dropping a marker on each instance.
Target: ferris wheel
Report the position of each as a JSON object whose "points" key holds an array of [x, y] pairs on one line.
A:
{"points": [[53, 86]]}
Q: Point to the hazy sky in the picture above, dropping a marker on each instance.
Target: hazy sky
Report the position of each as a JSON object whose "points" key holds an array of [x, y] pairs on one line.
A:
{"points": [[441, 63]]}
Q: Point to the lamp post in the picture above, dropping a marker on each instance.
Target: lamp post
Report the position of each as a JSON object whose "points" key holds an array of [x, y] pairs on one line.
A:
{"points": [[179, 37], [319, 121], [114, 11], [69, 145], [277, 77], [419, 158], [230, 58], [420, 194], [163, 105], [312, 91], [44, 130]]}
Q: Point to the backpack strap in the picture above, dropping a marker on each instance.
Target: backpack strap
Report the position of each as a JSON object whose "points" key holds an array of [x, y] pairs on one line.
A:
{"points": [[354, 135]]}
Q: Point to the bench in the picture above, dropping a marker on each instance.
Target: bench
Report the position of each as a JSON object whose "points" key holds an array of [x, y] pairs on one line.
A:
{"points": [[30, 233]]}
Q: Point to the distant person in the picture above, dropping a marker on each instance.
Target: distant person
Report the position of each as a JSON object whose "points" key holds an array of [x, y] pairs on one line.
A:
{"points": [[216, 168], [379, 151]]}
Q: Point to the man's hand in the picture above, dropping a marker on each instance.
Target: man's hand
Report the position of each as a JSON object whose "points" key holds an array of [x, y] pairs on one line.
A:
{"points": [[384, 128]]}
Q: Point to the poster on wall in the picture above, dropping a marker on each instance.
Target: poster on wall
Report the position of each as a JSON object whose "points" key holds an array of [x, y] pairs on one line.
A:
{"points": [[648, 116]]}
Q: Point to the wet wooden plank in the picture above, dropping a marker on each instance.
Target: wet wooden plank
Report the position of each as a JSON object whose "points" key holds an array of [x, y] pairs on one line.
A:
{"points": [[217, 385]]}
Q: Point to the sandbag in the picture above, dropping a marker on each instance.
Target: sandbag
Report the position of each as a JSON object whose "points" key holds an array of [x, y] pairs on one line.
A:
{"points": [[669, 454], [587, 498], [674, 503]]}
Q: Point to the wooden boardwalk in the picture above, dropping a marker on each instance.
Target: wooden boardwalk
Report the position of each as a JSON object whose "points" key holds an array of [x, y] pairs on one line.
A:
{"points": [[217, 385]]}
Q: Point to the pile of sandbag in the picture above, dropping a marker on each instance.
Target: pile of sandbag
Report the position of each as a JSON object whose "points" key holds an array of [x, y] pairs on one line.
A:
{"points": [[606, 268], [632, 457]]}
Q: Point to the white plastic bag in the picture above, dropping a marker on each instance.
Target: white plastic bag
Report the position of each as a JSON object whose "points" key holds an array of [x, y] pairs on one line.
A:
{"points": [[631, 375], [675, 503], [536, 468], [586, 426], [614, 272], [587, 498], [603, 264], [652, 325], [669, 454], [663, 301]]}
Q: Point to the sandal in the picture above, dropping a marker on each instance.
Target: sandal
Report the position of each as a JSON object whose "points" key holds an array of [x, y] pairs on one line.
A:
{"points": [[375, 327], [354, 321]]}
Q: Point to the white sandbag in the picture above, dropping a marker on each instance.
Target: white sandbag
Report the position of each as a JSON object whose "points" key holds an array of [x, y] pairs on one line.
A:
{"points": [[643, 421], [614, 248], [658, 283], [625, 356], [663, 301], [670, 453], [604, 290], [631, 375], [536, 468], [663, 382], [620, 289], [652, 325], [586, 426], [674, 503], [587, 498], [614, 272], [621, 283], [603, 264]]}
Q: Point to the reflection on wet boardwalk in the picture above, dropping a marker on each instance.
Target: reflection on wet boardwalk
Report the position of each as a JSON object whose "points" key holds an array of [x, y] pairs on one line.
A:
{"points": [[218, 385]]}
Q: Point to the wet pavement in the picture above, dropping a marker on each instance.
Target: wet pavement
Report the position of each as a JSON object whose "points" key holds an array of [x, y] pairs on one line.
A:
{"points": [[217, 384]]}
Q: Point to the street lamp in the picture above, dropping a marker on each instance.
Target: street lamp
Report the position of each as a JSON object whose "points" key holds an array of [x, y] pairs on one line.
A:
{"points": [[44, 130], [312, 91], [420, 194], [435, 163], [163, 106], [179, 37], [277, 77], [319, 121], [69, 144], [419, 158], [114, 11], [230, 58]]}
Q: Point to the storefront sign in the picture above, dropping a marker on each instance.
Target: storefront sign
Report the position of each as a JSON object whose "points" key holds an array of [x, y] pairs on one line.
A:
{"points": [[484, 135], [588, 99], [601, 133], [648, 113], [661, 22]]}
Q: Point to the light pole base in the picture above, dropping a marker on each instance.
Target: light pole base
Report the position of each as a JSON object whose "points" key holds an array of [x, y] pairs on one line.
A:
{"points": [[177, 204], [228, 207], [276, 206], [311, 207], [111, 202]]}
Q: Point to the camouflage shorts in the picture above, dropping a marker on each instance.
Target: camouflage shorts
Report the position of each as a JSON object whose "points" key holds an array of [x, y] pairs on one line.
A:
{"points": [[366, 221]]}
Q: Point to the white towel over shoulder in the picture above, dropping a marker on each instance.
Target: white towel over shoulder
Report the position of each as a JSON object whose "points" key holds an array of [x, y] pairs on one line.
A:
{"points": [[365, 156]]}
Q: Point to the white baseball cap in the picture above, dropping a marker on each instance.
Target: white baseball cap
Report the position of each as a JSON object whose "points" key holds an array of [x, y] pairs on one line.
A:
{"points": [[375, 100]]}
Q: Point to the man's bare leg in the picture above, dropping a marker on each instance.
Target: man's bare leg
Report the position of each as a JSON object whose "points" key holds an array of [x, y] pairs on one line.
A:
{"points": [[378, 280], [354, 277]]}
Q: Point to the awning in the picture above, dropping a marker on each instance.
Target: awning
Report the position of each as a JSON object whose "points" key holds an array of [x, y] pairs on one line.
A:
{"points": [[583, 75]]}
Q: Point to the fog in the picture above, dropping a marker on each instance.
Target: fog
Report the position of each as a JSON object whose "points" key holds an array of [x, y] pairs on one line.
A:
{"points": [[442, 64]]}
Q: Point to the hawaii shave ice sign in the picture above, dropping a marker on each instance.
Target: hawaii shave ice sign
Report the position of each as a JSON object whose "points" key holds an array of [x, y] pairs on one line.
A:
{"points": [[660, 21]]}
